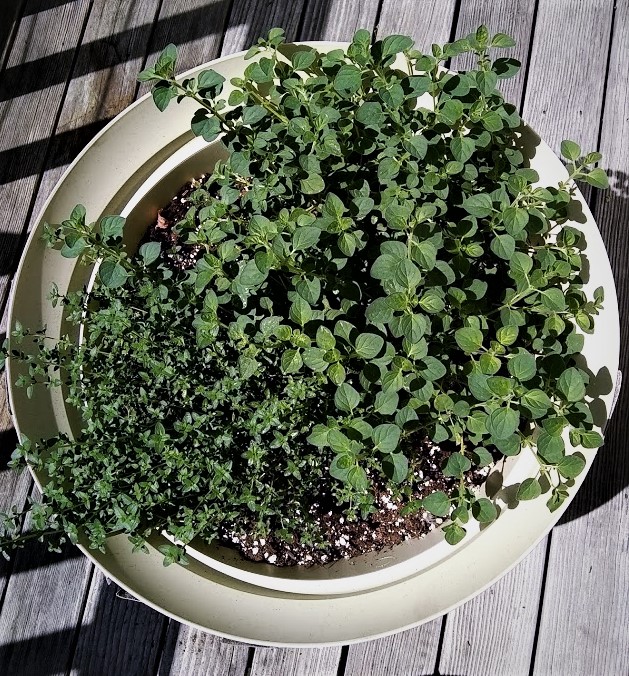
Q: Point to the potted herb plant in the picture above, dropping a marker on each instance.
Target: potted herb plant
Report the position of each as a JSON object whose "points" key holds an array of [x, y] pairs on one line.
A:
{"points": [[371, 301]]}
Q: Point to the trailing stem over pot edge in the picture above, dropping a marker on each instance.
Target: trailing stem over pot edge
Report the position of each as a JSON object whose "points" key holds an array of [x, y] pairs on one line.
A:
{"points": [[370, 271]]}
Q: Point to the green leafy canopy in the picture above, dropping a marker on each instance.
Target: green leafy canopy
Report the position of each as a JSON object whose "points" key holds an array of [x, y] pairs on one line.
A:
{"points": [[373, 264]]}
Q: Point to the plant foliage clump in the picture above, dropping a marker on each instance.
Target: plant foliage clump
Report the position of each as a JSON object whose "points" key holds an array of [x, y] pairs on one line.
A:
{"points": [[377, 263]]}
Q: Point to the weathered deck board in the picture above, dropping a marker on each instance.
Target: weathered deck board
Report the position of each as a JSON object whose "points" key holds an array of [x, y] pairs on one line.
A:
{"points": [[195, 26], [103, 82], [295, 662], [118, 635], [513, 17], [474, 643], [23, 149], [42, 611], [337, 19], [190, 651], [493, 635], [427, 21], [409, 652], [28, 119], [251, 19], [585, 621]]}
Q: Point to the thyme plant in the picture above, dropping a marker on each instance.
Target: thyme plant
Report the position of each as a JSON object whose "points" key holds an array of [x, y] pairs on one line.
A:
{"points": [[376, 264]]}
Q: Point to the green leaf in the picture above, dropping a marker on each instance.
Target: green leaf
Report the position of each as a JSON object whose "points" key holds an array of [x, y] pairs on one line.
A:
{"points": [[319, 436], [370, 114], [503, 246], [312, 184], [437, 503], [247, 366], [291, 361], [74, 245], [503, 422], [590, 439], [112, 227], [395, 467], [386, 403], [571, 385], [529, 490], [346, 398], [253, 114], [553, 300], [393, 44], [597, 178], [549, 447], [469, 339], [386, 437], [163, 94], [507, 335], [341, 466], [486, 81], [112, 274], [484, 510], [537, 401], [357, 478], [571, 466], [302, 60], [305, 237], [150, 252], [522, 366], [210, 79], [502, 40], [300, 311], [368, 345], [456, 465], [416, 145], [462, 148], [478, 205], [336, 373], [313, 359], [454, 533], [325, 338], [379, 311], [347, 80], [204, 125], [515, 220], [570, 150], [309, 289]]}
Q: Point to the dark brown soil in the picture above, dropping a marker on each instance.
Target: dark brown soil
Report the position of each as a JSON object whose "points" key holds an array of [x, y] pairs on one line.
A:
{"points": [[384, 528]]}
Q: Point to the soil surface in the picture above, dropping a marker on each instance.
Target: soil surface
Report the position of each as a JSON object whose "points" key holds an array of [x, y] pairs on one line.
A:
{"points": [[383, 529]]}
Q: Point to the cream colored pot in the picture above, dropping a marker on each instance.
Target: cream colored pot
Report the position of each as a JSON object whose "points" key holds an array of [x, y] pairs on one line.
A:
{"points": [[133, 167]]}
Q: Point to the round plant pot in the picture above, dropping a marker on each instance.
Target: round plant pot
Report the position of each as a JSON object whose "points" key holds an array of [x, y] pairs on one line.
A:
{"points": [[365, 597]]}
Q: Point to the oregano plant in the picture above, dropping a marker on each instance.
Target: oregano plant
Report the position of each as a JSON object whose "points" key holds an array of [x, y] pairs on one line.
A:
{"points": [[375, 263]]}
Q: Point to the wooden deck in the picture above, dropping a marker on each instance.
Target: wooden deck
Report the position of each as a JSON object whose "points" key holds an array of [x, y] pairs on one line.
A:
{"points": [[69, 66]]}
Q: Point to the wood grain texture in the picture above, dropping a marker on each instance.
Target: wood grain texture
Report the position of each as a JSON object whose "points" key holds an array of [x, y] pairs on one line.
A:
{"points": [[494, 634], [475, 643], [189, 651], [251, 19], [585, 622], [409, 652], [103, 82], [514, 17], [337, 19], [41, 610], [567, 71], [195, 26], [118, 635], [28, 120], [295, 662], [426, 21], [11, 13]]}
